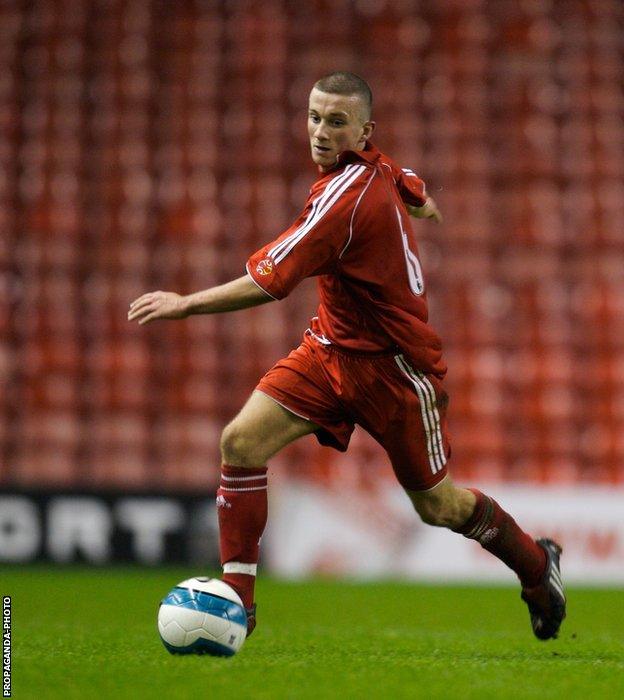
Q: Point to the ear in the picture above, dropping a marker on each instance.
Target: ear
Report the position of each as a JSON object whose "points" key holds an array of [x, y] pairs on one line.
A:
{"points": [[367, 130]]}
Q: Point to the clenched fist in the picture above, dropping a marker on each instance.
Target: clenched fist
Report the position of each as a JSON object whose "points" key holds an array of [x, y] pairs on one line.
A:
{"points": [[429, 210]]}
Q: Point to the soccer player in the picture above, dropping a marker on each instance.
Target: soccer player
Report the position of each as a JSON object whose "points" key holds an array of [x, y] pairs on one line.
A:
{"points": [[369, 357]]}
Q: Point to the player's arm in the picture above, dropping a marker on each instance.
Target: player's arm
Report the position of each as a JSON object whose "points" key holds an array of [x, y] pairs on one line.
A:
{"points": [[240, 293], [429, 210]]}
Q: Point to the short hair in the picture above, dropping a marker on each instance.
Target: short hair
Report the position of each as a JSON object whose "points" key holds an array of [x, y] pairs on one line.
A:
{"points": [[343, 83]]}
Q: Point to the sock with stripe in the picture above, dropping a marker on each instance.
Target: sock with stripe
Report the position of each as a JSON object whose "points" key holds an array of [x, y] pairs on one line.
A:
{"points": [[498, 533], [242, 510]]}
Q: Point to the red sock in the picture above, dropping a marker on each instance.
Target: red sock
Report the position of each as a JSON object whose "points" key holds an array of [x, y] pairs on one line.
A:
{"points": [[498, 533], [242, 509]]}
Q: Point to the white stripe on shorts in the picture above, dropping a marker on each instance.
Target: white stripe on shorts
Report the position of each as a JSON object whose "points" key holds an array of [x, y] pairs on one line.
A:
{"points": [[429, 412]]}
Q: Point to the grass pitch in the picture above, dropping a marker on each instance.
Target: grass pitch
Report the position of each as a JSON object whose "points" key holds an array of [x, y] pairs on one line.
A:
{"points": [[80, 633]]}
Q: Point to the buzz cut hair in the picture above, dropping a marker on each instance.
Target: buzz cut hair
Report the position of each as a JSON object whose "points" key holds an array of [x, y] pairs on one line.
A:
{"points": [[343, 83]]}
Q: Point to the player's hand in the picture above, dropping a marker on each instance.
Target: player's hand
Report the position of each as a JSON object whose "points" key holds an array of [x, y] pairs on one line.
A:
{"points": [[429, 210], [155, 305]]}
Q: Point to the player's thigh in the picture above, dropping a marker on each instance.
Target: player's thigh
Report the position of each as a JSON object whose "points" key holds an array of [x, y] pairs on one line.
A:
{"points": [[261, 428], [415, 436]]}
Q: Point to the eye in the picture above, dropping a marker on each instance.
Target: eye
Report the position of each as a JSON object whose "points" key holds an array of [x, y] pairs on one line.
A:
{"points": [[338, 122], [315, 118]]}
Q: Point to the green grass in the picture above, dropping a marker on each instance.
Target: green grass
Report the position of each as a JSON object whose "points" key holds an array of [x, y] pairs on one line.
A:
{"points": [[91, 634]]}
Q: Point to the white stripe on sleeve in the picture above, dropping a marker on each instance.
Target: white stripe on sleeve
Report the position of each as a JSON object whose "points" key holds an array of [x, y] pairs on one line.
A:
{"points": [[330, 195]]}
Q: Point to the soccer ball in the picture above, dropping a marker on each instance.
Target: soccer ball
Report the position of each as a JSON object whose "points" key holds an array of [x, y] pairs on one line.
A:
{"points": [[202, 616]]}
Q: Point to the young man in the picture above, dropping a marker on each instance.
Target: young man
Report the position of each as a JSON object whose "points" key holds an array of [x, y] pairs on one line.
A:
{"points": [[368, 358]]}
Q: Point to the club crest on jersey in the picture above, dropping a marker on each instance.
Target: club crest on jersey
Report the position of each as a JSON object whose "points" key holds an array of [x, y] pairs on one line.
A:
{"points": [[265, 267]]}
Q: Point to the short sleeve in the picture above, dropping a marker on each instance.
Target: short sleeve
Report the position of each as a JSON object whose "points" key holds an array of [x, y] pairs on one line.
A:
{"points": [[410, 186], [313, 243]]}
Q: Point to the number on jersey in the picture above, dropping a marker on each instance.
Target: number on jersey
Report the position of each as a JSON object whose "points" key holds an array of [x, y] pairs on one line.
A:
{"points": [[414, 271]]}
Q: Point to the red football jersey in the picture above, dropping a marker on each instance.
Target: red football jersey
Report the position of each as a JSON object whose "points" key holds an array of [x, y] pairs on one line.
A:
{"points": [[355, 234]]}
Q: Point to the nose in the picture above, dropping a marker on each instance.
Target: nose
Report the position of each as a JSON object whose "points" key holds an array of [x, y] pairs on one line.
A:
{"points": [[320, 132]]}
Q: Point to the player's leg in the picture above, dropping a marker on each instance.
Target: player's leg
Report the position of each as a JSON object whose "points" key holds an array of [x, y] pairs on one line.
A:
{"points": [[294, 398], [444, 505], [260, 430], [479, 517], [416, 441]]}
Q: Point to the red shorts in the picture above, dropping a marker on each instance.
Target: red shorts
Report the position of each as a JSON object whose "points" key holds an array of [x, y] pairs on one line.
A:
{"points": [[402, 408]]}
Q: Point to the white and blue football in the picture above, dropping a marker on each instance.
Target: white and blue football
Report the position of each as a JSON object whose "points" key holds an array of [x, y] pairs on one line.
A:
{"points": [[202, 616]]}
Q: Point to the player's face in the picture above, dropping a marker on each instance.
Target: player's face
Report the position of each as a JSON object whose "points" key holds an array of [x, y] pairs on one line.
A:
{"points": [[336, 123]]}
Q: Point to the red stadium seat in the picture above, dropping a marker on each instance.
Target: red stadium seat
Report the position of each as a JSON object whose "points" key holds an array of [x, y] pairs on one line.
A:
{"points": [[137, 157]]}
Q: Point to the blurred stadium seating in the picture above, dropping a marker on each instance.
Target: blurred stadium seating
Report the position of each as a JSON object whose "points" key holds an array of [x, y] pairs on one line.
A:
{"points": [[153, 144]]}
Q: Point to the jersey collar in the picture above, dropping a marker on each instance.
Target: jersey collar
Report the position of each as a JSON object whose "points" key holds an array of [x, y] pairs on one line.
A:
{"points": [[370, 154]]}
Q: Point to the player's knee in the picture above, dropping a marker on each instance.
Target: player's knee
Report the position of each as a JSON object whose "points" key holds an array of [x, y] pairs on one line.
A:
{"points": [[439, 513], [238, 447], [444, 506], [430, 515]]}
